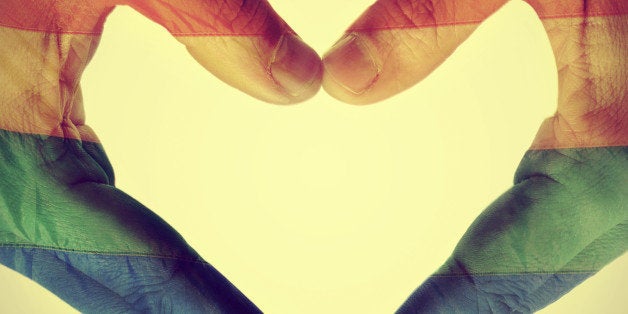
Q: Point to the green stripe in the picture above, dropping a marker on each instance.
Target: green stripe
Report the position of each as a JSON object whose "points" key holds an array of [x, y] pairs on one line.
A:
{"points": [[566, 213], [58, 193]]}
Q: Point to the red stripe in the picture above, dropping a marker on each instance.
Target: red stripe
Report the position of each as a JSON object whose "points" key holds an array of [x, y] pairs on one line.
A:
{"points": [[179, 17], [399, 14], [239, 17]]}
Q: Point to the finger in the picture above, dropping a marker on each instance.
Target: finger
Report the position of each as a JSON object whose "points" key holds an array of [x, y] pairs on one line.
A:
{"points": [[64, 224], [564, 219], [244, 43], [397, 43], [589, 40]]}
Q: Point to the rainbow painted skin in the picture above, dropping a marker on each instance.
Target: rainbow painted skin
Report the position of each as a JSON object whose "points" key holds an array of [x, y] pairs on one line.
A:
{"points": [[62, 221], [64, 224], [563, 220], [566, 215]]}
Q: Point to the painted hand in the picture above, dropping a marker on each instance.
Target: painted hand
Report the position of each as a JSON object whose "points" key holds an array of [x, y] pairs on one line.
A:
{"points": [[62, 221], [566, 215]]}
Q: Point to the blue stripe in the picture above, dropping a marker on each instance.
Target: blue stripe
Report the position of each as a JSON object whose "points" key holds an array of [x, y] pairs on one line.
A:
{"points": [[512, 293], [96, 283]]}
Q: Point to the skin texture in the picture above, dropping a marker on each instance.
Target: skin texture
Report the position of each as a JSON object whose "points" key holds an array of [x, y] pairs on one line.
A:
{"points": [[565, 216], [62, 221], [561, 222], [46, 46]]}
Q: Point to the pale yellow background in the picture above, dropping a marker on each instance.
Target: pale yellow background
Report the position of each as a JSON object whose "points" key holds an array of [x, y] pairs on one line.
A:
{"points": [[321, 207]]}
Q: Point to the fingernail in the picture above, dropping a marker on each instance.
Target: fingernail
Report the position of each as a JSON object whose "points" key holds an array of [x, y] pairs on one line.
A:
{"points": [[294, 65], [351, 64]]}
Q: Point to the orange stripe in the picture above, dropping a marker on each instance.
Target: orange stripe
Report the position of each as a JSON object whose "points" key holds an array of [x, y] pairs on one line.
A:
{"points": [[179, 17], [398, 14], [39, 92]]}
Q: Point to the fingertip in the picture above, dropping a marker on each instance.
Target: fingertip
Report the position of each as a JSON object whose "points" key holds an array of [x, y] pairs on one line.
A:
{"points": [[296, 68], [352, 68], [282, 71], [395, 44], [377, 65]]}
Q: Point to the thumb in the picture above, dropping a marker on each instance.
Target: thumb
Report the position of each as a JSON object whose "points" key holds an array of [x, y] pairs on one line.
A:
{"points": [[244, 43], [397, 43]]}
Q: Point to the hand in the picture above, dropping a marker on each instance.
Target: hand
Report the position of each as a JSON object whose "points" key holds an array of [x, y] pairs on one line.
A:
{"points": [[62, 221], [565, 217]]}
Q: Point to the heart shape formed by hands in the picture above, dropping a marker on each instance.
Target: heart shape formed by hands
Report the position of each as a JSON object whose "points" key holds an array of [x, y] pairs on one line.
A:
{"points": [[391, 47]]}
